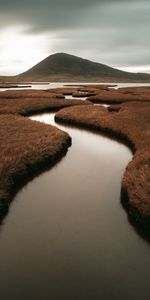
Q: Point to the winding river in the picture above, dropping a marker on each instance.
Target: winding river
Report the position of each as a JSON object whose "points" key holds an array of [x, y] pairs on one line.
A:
{"points": [[67, 237]]}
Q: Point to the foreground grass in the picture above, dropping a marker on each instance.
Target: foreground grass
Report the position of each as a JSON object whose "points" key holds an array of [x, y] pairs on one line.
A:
{"points": [[130, 123], [26, 146]]}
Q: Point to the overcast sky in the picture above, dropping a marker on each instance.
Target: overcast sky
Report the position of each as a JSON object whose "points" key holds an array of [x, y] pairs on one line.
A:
{"points": [[113, 32]]}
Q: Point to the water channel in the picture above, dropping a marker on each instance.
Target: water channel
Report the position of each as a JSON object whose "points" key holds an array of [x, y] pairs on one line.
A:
{"points": [[67, 237]]}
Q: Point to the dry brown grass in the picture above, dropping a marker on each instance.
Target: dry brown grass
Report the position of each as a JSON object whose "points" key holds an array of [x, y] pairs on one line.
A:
{"points": [[96, 87], [136, 90], [77, 91], [26, 146], [14, 94], [33, 93], [111, 96], [129, 122], [105, 94], [86, 91], [63, 91], [25, 106]]}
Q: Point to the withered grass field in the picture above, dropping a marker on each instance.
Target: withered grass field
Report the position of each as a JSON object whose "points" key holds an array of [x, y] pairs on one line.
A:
{"points": [[112, 96], [26, 106], [130, 123], [27, 146]]}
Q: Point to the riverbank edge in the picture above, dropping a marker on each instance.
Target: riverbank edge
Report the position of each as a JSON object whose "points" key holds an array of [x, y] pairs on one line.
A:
{"points": [[31, 169], [140, 219], [17, 181]]}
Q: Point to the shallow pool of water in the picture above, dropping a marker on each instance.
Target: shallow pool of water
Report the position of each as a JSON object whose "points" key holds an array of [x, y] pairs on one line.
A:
{"points": [[70, 97], [67, 237]]}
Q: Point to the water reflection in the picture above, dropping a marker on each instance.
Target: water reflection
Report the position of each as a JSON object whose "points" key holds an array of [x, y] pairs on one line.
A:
{"points": [[70, 97], [51, 85], [67, 236]]}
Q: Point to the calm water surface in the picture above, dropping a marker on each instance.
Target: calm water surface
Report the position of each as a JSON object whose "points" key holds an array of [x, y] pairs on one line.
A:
{"points": [[67, 236], [52, 85]]}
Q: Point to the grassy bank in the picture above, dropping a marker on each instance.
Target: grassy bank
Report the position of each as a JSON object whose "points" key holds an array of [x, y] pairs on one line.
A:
{"points": [[25, 144], [130, 123], [95, 94], [112, 96], [26, 147], [26, 106], [104, 94], [33, 93]]}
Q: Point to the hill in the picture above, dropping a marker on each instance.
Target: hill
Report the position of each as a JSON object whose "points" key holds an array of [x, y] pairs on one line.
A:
{"points": [[66, 67]]}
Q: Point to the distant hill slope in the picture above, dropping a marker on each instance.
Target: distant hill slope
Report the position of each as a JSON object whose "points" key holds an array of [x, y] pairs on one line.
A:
{"points": [[66, 67]]}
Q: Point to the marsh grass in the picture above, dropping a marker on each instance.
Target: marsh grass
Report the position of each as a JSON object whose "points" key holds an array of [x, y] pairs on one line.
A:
{"points": [[112, 96], [129, 123], [26, 106], [26, 147]]}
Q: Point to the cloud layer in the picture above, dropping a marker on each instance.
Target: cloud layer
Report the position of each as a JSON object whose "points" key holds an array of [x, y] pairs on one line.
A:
{"points": [[113, 32]]}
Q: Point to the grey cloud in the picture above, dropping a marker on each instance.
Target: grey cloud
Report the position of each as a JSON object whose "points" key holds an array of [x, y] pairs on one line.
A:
{"points": [[44, 13], [109, 31], [58, 14], [111, 46], [57, 4]]}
